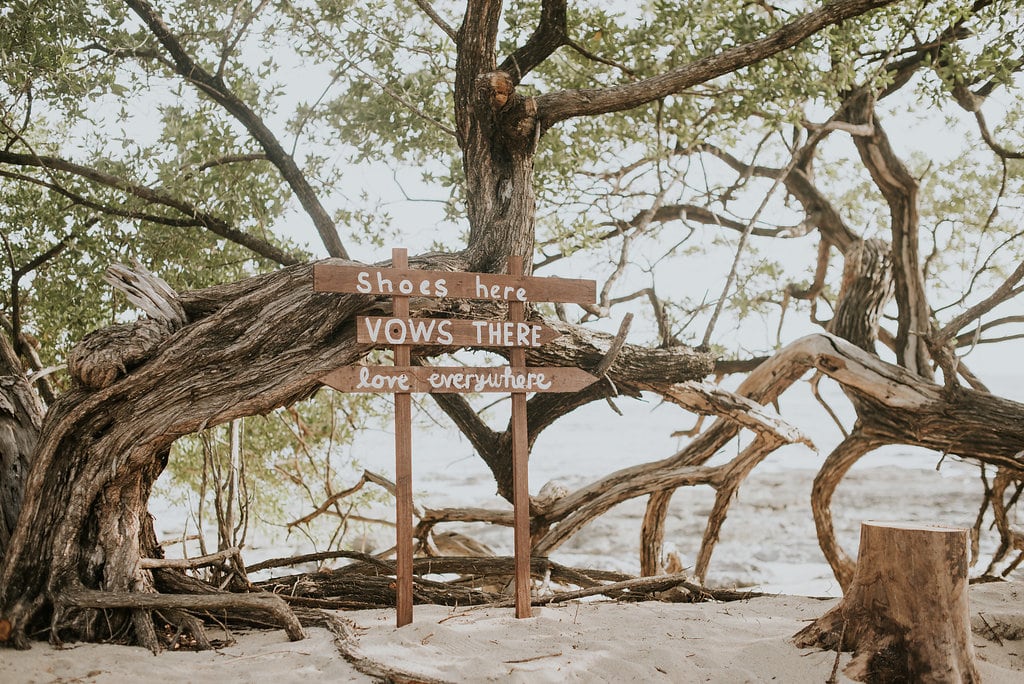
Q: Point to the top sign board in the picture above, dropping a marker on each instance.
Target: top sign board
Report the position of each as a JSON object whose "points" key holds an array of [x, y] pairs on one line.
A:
{"points": [[455, 284]]}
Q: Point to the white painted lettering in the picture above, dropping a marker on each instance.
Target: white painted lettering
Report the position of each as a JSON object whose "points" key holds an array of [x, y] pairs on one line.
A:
{"points": [[480, 326], [395, 383], [405, 286], [372, 328], [384, 285], [422, 330], [523, 334], [363, 280], [395, 331], [444, 332], [440, 288], [481, 289]]}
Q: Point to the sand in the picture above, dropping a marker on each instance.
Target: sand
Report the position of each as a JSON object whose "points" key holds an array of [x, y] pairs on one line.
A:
{"points": [[601, 641]]}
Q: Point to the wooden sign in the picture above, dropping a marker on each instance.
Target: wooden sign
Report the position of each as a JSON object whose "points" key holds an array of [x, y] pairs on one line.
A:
{"points": [[401, 332], [452, 332], [459, 380], [450, 284]]}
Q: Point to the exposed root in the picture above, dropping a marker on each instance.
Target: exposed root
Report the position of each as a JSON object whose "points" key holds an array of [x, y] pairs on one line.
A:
{"points": [[142, 605], [345, 640]]}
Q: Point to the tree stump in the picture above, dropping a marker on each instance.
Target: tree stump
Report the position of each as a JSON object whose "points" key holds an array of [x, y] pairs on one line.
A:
{"points": [[905, 615]]}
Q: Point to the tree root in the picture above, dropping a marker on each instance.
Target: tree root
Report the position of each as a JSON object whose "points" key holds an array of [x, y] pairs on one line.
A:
{"points": [[344, 639], [142, 604]]}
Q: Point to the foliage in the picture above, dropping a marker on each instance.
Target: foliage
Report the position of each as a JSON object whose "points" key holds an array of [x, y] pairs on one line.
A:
{"points": [[292, 461]]}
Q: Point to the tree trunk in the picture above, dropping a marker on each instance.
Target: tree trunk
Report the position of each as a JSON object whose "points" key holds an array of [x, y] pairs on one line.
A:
{"points": [[900, 189], [906, 615], [866, 288], [21, 416], [246, 349]]}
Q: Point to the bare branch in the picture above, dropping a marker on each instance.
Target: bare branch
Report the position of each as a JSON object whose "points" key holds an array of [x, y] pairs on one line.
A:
{"points": [[598, 58], [1005, 291], [436, 18], [986, 135], [973, 337]]}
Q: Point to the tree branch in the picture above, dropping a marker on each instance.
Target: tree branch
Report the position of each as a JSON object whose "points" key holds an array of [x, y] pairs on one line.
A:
{"points": [[1007, 289], [195, 217], [986, 135], [551, 33], [215, 87], [555, 107], [436, 18]]}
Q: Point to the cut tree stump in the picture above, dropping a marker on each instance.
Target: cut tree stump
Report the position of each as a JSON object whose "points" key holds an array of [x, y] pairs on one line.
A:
{"points": [[905, 615]]}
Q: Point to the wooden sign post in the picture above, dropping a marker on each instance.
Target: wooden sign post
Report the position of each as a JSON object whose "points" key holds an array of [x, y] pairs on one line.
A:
{"points": [[400, 331]]}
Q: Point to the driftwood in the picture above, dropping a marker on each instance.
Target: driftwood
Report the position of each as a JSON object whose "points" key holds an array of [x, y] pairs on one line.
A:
{"points": [[651, 588], [190, 563], [369, 583]]}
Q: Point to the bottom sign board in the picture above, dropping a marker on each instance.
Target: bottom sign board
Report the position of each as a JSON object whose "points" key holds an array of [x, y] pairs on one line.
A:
{"points": [[460, 380]]}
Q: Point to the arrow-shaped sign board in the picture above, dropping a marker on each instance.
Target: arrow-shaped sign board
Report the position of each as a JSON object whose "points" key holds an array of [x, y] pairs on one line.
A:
{"points": [[455, 284], [461, 380], [403, 332], [452, 332]]}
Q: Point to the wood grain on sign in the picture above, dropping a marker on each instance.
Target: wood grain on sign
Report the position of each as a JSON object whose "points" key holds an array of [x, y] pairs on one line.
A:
{"points": [[451, 284], [452, 332], [457, 380]]}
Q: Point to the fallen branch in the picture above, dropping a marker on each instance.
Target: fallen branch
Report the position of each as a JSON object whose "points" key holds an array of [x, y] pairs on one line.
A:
{"points": [[189, 563], [643, 588], [314, 557]]}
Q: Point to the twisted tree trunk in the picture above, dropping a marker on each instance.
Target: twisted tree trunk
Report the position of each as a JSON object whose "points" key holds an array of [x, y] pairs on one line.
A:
{"points": [[21, 416], [247, 348]]}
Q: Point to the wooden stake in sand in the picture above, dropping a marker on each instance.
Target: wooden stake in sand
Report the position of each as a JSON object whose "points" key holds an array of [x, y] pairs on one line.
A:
{"points": [[520, 460], [905, 615], [400, 282]]}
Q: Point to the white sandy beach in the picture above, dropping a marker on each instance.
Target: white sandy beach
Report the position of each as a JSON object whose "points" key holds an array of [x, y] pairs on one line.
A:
{"points": [[745, 641], [768, 544]]}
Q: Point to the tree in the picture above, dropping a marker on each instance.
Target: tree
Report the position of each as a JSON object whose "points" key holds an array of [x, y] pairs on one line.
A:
{"points": [[562, 132]]}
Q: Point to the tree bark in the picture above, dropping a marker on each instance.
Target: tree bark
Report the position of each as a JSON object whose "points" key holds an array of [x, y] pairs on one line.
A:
{"points": [[652, 533], [906, 614], [21, 416], [900, 190], [866, 288]]}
